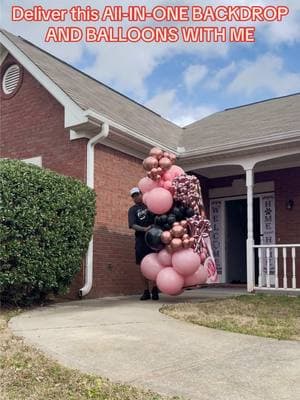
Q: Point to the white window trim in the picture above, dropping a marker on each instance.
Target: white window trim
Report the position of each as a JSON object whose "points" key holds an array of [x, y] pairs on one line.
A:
{"points": [[34, 160]]}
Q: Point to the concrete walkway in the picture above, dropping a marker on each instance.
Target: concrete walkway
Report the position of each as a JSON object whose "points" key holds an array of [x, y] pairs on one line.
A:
{"points": [[130, 341]]}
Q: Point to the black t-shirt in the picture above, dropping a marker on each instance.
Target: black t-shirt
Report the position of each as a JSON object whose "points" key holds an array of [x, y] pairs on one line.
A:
{"points": [[139, 215]]}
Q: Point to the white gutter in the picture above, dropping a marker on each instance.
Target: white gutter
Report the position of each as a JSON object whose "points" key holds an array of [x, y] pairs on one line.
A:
{"points": [[88, 275], [129, 131]]}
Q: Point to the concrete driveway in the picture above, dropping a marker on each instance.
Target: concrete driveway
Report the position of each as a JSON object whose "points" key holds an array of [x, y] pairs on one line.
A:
{"points": [[130, 341]]}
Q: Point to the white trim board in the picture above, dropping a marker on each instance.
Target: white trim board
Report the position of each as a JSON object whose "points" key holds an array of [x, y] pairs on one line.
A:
{"points": [[34, 160], [239, 188]]}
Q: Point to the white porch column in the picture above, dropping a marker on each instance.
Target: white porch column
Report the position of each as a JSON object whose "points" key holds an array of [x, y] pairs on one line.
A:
{"points": [[250, 239]]}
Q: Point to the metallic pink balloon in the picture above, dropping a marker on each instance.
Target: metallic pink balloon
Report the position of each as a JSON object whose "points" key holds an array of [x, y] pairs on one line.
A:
{"points": [[184, 223], [186, 243], [165, 163], [176, 244], [177, 231], [169, 248], [166, 237], [149, 163], [172, 158], [156, 152]]}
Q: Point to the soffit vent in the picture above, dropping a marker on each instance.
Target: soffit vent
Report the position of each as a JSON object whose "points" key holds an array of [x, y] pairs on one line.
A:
{"points": [[11, 79]]}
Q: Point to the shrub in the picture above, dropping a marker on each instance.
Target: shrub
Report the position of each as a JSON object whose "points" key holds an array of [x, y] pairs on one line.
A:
{"points": [[46, 222]]}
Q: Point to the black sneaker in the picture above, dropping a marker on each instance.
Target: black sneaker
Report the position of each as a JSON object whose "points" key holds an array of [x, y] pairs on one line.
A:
{"points": [[145, 295], [155, 295]]}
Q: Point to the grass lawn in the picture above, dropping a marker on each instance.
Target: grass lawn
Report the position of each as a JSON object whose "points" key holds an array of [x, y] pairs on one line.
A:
{"points": [[26, 374], [261, 315]]}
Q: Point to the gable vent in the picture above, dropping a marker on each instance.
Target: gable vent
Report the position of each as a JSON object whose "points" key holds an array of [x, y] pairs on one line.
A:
{"points": [[11, 79]]}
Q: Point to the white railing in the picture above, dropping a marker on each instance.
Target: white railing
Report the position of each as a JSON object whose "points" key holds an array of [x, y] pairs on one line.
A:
{"points": [[270, 265]]}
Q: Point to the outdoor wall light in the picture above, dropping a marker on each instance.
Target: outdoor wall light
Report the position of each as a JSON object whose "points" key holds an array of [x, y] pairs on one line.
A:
{"points": [[289, 204]]}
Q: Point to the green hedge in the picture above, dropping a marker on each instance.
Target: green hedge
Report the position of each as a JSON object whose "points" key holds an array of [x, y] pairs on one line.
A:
{"points": [[46, 222]]}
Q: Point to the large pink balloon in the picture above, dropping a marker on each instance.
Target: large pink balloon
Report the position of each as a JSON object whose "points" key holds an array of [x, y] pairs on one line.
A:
{"points": [[150, 266], [145, 195], [146, 184], [197, 278], [169, 281], [165, 258], [185, 261], [159, 200]]}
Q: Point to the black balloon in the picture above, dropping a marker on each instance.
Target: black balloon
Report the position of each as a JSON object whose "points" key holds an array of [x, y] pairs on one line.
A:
{"points": [[171, 219], [167, 227], [152, 238], [182, 210], [164, 219], [178, 214], [158, 221], [189, 212]]}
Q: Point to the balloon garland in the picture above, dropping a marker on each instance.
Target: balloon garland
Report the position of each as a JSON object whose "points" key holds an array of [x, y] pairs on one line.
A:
{"points": [[180, 239]]}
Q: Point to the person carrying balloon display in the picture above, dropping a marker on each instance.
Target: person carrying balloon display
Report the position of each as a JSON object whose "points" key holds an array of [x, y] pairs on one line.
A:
{"points": [[140, 219], [182, 255]]}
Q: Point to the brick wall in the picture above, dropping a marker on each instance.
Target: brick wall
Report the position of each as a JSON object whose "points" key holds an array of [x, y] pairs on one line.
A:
{"points": [[115, 271], [32, 124]]}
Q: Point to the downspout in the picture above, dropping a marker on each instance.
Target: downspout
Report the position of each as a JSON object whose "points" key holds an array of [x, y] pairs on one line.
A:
{"points": [[88, 274]]}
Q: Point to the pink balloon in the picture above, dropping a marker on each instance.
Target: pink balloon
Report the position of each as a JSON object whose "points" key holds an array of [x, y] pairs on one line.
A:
{"points": [[145, 195], [150, 266], [175, 171], [167, 185], [169, 281], [185, 261], [178, 293], [159, 200], [165, 258], [212, 274], [167, 176], [146, 184], [197, 278]]}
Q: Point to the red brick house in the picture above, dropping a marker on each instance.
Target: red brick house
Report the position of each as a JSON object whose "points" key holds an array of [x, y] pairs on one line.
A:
{"points": [[247, 159]]}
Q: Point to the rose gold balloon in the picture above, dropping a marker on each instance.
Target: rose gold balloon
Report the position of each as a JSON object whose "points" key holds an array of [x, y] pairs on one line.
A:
{"points": [[185, 236], [183, 223], [185, 230], [165, 163], [169, 248], [176, 244], [177, 231], [159, 170], [186, 243], [166, 154], [166, 237], [149, 163], [172, 158], [156, 152], [192, 241], [176, 223]]}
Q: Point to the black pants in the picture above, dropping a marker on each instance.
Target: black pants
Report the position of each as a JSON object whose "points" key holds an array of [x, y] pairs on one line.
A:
{"points": [[141, 249]]}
